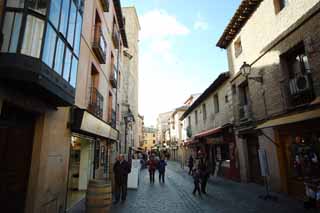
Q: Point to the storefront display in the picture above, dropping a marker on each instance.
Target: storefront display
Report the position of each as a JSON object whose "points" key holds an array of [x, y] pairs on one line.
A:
{"points": [[80, 168], [305, 150]]}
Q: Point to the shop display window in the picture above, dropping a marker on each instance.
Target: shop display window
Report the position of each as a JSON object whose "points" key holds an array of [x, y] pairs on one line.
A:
{"points": [[303, 155]]}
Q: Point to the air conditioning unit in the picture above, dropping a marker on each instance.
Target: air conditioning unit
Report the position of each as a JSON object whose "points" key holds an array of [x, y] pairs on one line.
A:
{"points": [[299, 84]]}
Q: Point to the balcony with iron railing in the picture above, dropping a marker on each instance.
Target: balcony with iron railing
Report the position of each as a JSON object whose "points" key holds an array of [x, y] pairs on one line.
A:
{"points": [[96, 103], [113, 119], [114, 76], [298, 91], [99, 44], [244, 113], [116, 38]]}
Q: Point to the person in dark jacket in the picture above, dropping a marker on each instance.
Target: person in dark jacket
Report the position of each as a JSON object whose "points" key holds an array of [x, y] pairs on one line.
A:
{"points": [[121, 170], [204, 174], [196, 181], [162, 169], [190, 164], [152, 163]]}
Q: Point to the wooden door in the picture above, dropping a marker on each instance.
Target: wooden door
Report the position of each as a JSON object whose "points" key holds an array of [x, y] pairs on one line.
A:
{"points": [[253, 157], [16, 140]]}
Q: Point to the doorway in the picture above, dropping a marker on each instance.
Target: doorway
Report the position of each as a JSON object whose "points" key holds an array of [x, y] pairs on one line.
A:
{"points": [[16, 143], [253, 157], [80, 169]]}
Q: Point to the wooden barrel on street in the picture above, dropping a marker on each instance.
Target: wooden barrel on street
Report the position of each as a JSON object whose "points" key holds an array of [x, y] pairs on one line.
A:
{"points": [[98, 197]]}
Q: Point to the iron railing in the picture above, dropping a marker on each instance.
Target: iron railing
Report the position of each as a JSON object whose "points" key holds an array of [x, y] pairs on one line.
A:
{"points": [[113, 121], [99, 44], [116, 38], [96, 103], [114, 76]]}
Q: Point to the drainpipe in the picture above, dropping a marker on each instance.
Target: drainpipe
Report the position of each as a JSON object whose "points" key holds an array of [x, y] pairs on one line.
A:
{"points": [[1, 104], [117, 87]]}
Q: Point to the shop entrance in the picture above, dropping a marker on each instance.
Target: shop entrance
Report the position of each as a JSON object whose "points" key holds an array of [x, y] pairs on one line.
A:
{"points": [[80, 169], [16, 142], [253, 157]]}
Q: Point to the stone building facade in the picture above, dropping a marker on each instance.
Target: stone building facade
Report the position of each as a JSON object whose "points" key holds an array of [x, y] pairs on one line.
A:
{"points": [[280, 42], [210, 128], [129, 77]]}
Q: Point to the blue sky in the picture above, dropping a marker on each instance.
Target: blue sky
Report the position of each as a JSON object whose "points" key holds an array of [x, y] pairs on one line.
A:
{"points": [[177, 52]]}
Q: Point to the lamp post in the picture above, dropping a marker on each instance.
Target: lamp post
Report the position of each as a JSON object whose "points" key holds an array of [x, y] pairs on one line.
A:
{"points": [[128, 118], [245, 70]]}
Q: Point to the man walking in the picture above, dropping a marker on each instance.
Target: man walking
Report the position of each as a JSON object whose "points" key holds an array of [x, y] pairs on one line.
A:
{"points": [[121, 170], [190, 164], [162, 169], [204, 174]]}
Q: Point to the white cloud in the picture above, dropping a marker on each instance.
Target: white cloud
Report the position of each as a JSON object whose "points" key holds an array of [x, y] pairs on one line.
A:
{"points": [[158, 23], [200, 25], [162, 83]]}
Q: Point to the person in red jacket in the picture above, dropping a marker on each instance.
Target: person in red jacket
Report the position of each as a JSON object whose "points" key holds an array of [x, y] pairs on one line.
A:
{"points": [[152, 163]]}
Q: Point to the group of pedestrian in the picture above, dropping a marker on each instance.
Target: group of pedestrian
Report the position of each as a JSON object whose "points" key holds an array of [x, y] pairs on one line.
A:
{"points": [[200, 175], [153, 165]]}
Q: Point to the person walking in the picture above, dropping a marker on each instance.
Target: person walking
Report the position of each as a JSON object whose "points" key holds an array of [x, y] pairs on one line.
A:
{"points": [[121, 170], [204, 174], [196, 181], [190, 164], [162, 169], [152, 163]]}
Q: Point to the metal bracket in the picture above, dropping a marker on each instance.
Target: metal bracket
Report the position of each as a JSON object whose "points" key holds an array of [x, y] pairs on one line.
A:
{"points": [[270, 139]]}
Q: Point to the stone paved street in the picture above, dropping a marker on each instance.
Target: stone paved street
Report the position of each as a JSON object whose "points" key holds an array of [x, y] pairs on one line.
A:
{"points": [[223, 197]]}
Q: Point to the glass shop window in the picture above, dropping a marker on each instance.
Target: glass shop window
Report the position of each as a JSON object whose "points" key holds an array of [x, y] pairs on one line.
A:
{"points": [[32, 39], [64, 17], [59, 56], [73, 73], [15, 3], [67, 64], [222, 152], [303, 155], [11, 31], [50, 42], [72, 23], [39, 6], [77, 38], [55, 12]]}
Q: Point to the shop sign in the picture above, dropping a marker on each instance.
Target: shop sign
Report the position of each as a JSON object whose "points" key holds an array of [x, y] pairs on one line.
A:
{"points": [[95, 126]]}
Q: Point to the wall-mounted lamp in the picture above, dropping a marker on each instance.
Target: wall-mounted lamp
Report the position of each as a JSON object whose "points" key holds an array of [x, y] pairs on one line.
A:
{"points": [[245, 70]]}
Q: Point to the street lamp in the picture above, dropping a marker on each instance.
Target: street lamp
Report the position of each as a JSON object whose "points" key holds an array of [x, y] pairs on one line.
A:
{"points": [[128, 118], [245, 70]]}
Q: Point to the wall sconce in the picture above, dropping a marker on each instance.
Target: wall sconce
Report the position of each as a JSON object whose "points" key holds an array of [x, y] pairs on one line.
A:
{"points": [[245, 70]]}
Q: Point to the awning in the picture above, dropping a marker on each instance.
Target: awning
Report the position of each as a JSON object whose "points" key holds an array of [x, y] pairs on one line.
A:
{"points": [[208, 132], [289, 119], [85, 123], [191, 142]]}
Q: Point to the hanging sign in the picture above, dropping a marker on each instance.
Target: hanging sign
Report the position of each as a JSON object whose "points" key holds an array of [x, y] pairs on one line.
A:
{"points": [[264, 167]]}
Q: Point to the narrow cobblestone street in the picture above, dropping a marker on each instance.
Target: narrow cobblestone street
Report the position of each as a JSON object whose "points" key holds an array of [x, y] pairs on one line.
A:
{"points": [[223, 196]]}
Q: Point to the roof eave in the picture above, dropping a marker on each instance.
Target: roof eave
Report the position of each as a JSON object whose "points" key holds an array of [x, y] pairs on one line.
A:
{"points": [[239, 19], [213, 87]]}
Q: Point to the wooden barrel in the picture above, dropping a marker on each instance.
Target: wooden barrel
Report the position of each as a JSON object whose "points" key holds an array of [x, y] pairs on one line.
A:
{"points": [[98, 197]]}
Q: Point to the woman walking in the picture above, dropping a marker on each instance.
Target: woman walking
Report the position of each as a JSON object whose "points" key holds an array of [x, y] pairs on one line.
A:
{"points": [[152, 163]]}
